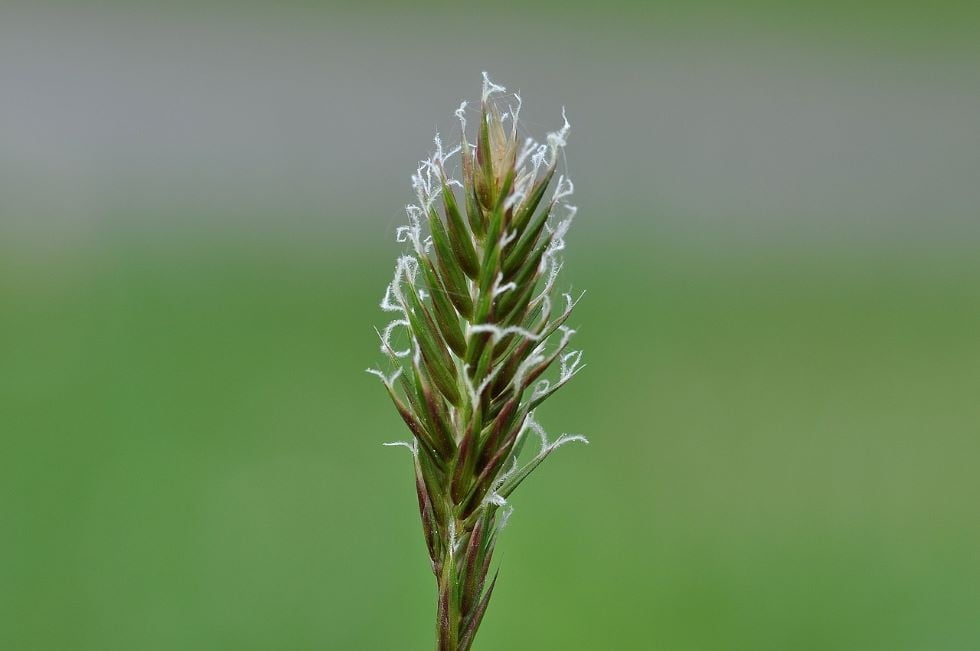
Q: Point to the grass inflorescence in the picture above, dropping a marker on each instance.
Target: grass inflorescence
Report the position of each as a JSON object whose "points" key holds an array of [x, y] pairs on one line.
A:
{"points": [[475, 293]]}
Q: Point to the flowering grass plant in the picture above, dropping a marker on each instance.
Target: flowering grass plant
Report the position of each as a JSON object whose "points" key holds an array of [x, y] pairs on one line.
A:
{"points": [[474, 292]]}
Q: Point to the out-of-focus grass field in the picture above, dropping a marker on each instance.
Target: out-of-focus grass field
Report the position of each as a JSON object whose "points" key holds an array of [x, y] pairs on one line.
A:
{"points": [[784, 456]]}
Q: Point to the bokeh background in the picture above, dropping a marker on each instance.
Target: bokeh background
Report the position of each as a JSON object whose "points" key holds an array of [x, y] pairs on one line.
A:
{"points": [[779, 230]]}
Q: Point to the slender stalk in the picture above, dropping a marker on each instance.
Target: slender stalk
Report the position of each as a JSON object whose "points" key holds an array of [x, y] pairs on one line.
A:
{"points": [[476, 298]]}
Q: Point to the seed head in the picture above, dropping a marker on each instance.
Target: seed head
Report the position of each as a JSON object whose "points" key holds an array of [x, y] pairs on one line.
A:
{"points": [[474, 295]]}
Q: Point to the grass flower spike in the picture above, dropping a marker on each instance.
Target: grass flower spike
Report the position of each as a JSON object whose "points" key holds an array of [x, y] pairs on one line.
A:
{"points": [[477, 324]]}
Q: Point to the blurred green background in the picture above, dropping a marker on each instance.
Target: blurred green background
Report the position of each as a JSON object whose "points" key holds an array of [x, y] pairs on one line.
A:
{"points": [[778, 231]]}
